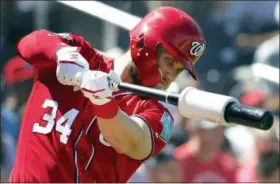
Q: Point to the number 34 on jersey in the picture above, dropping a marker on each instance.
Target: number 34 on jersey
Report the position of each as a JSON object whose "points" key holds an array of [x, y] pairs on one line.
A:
{"points": [[62, 125]]}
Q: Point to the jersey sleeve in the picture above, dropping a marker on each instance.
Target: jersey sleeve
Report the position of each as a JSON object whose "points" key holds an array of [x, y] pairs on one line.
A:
{"points": [[160, 122], [39, 47]]}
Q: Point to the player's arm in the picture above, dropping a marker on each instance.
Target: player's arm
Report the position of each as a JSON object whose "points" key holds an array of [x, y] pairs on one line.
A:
{"points": [[45, 44], [128, 135], [138, 136], [66, 53], [39, 48]]}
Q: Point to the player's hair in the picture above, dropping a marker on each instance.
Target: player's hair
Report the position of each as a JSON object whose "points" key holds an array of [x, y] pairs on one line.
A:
{"points": [[134, 74]]}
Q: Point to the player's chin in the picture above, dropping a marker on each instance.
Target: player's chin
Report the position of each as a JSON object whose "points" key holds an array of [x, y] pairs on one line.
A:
{"points": [[165, 87], [166, 84]]}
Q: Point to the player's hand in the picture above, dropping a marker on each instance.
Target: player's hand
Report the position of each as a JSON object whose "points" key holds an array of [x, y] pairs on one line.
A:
{"points": [[71, 66], [95, 86]]}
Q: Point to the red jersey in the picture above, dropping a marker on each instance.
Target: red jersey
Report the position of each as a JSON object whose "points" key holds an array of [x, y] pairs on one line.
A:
{"points": [[59, 139], [221, 169]]}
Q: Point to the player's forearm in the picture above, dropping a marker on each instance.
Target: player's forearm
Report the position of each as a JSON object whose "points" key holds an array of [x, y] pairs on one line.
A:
{"points": [[126, 135]]}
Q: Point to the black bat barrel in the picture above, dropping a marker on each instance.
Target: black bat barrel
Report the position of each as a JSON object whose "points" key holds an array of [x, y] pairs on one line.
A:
{"points": [[249, 116]]}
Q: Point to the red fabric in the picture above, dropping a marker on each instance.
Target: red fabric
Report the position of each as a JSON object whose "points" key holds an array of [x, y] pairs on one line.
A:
{"points": [[221, 169], [108, 110], [86, 157], [17, 70]]}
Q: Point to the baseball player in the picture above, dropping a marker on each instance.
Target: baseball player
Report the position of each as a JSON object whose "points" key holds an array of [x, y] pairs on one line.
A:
{"points": [[75, 128]]}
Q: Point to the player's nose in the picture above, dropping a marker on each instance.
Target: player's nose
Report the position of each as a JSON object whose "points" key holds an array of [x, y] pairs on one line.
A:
{"points": [[170, 74], [168, 78]]}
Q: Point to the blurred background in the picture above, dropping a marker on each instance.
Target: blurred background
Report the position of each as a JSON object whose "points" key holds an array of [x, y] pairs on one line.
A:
{"points": [[241, 59]]}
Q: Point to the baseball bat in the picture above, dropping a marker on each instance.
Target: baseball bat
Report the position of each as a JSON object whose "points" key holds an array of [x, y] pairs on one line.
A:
{"points": [[192, 103]]}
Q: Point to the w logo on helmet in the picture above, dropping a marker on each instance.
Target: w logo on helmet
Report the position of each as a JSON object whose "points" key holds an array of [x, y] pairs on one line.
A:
{"points": [[197, 49]]}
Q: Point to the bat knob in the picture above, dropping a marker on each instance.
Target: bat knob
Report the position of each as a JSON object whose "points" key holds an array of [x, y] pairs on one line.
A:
{"points": [[113, 85], [249, 116]]}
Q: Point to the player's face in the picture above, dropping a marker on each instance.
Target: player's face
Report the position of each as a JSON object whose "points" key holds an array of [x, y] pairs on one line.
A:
{"points": [[169, 68]]}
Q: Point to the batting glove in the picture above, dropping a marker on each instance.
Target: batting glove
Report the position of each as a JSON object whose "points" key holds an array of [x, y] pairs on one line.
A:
{"points": [[96, 87], [71, 66]]}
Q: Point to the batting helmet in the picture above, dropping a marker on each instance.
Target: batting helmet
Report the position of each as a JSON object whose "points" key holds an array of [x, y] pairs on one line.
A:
{"points": [[178, 33]]}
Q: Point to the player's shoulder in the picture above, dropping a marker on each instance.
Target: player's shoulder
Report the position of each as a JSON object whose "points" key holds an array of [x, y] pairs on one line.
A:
{"points": [[152, 103], [166, 115]]}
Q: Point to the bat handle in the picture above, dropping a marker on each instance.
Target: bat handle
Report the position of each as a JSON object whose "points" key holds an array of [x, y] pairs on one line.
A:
{"points": [[248, 116]]}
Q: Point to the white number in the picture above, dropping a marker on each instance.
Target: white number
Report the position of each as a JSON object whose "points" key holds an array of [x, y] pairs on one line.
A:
{"points": [[65, 129], [47, 117], [63, 124]]}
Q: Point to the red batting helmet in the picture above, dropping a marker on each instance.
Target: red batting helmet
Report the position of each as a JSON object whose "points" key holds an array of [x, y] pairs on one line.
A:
{"points": [[178, 33]]}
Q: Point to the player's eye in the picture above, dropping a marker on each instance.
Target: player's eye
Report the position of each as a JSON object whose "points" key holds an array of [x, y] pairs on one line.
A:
{"points": [[169, 61]]}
